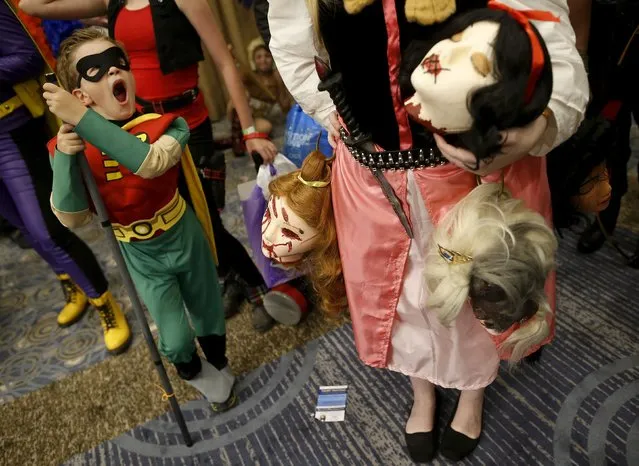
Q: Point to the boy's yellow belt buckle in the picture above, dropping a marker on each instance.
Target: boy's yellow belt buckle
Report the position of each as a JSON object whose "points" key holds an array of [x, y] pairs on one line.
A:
{"points": [[163, 220]]}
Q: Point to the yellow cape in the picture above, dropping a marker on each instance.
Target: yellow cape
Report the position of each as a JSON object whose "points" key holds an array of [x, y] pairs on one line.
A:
{"points": [[193, 183]]}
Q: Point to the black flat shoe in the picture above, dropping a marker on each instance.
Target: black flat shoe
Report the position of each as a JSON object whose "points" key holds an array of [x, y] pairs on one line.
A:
{"points": [[422, 446], [456, 446]]}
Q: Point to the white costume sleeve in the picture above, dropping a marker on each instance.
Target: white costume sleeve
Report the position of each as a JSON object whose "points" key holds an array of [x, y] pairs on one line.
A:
{"points": [[294, 50], [570, 91], [294, 53]]}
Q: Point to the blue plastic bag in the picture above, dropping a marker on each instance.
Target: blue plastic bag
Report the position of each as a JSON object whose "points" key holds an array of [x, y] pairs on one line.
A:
{"points": [[301, 136]]}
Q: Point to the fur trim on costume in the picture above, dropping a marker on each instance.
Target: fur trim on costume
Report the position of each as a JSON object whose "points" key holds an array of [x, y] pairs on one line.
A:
{"points": [[425, 12]]}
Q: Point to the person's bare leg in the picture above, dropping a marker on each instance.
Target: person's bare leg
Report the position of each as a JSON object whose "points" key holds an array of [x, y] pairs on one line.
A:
{"points": [[422, 415], [468, 416]]}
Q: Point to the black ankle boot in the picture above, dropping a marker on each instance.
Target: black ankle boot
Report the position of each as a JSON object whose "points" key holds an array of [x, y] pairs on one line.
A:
{"points": [[260, 319], [188, 370], [232, 295], [18, 238], [456, 446], [593, 238], [422, 446]]}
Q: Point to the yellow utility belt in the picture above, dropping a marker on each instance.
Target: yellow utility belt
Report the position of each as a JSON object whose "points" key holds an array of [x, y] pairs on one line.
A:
{"points": [[163, 220], [28, 94], [9, 106]]}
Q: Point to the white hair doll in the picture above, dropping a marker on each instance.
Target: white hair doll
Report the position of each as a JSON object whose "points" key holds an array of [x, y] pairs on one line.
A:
{"points": [[494, 251]]}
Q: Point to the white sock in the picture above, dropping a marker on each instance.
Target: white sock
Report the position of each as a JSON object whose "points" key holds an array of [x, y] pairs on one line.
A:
{"points": [[228, 374], [215, 385]]}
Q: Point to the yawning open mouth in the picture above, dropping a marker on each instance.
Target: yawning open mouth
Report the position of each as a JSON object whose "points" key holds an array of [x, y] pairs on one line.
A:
{"points": [[119, 91]]}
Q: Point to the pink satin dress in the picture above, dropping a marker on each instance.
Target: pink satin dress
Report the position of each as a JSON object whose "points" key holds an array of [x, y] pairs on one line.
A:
{"points": [[383, 268]]}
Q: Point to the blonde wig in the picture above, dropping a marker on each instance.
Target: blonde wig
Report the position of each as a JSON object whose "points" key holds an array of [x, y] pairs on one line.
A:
{"points": [[308, 194], [490, 248]]}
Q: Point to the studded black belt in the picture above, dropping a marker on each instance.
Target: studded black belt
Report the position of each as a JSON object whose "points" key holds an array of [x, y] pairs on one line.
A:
{"points": [[413, 159]]}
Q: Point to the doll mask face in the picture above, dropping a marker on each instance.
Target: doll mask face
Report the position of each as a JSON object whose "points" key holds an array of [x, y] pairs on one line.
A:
{"points": [[450, 71], [494, 310], [285, 236], [594, 192]]}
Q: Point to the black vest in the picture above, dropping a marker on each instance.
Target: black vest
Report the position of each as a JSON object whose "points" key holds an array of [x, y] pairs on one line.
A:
{"points": [[178, 43]]}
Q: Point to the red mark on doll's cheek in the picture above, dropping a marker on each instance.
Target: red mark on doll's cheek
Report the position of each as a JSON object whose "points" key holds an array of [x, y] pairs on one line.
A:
{"points": [[286, 233], [274, 209], [432, 65], [284, 215]]}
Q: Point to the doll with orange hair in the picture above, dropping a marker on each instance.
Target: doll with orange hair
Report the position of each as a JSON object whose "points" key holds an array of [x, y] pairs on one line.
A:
{"points": [[298, 229]]}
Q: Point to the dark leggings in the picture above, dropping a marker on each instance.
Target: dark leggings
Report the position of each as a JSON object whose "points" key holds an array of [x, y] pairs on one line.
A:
{"points": [[231, 253], [25, 190]]}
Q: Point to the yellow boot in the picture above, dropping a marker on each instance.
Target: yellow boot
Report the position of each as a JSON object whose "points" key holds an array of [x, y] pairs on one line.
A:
{"points": [[117, 334], [77, 302]]}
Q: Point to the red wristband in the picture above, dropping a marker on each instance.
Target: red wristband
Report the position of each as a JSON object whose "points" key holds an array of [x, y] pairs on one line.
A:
{"points": [[255, 135]]}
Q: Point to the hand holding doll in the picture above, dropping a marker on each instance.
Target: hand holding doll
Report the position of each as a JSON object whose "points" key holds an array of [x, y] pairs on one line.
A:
{"points": [[517, 143], [483, 88]]}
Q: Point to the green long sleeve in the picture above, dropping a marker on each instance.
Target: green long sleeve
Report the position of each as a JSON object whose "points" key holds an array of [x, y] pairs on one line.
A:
{"points": [[120, 145], [69, 194]]}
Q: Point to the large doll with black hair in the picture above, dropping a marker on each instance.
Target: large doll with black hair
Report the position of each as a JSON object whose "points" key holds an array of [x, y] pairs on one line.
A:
{"points": [[474, 80], [407, 156]]}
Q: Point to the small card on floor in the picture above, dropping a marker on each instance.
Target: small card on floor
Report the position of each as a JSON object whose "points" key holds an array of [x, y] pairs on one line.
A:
{"points": [[331, 403]]}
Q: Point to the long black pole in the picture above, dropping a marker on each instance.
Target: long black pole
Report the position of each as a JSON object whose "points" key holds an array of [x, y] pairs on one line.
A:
{"points": [[130, 288]]}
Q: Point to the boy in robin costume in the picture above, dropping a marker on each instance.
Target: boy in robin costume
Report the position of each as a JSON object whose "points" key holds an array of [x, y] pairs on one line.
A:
{"points": [[136, 163]]}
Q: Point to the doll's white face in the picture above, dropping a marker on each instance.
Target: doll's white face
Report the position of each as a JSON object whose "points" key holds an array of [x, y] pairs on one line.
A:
{"points": [[449, 72], [285, 236]]}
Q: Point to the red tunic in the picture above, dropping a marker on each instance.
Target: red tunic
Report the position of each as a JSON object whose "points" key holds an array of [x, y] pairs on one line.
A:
{"points": [[127, 197], [134, 29]]}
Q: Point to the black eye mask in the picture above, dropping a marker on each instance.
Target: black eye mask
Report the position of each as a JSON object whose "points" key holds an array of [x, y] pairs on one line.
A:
{"points": [[113, 56]]}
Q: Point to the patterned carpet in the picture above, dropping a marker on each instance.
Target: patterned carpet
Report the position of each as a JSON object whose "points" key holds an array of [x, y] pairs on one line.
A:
{"points": [[579, 405], [61, 395]]}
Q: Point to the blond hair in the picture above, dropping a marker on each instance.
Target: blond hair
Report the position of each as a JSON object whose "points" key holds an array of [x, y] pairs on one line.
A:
{"points": [[65, 70], [314, 206], [510, 248]]}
